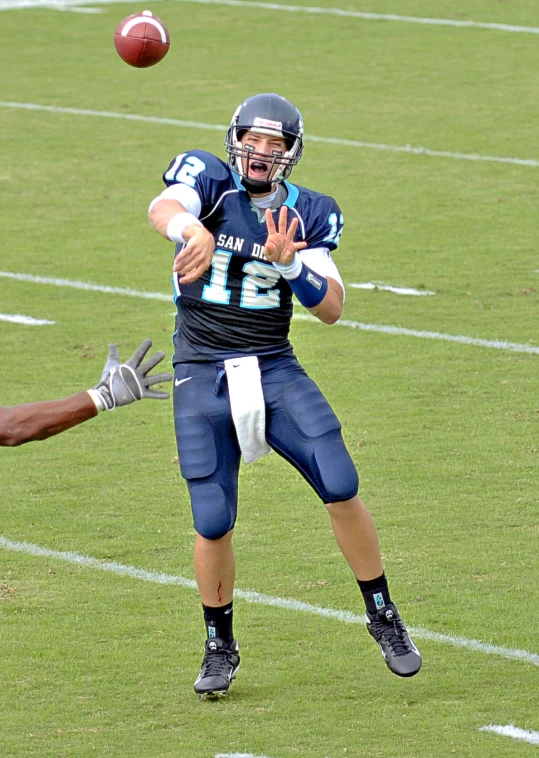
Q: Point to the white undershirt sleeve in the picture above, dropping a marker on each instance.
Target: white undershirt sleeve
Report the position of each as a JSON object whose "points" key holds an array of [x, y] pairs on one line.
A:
{"points": [[185, 195], [320, 261]]}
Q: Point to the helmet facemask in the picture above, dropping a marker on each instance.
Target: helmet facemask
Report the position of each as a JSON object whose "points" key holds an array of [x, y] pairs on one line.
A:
{"points": [[241, 156]]}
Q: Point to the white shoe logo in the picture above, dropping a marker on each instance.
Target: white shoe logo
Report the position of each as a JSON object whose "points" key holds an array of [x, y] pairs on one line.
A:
{"points": [[181, 381], [412, 645]]}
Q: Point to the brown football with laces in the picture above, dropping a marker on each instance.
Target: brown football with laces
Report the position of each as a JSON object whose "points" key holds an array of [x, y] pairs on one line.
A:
{"points": [[142, 40]]}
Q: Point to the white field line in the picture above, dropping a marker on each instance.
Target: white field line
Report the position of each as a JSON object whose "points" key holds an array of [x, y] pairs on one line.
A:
{"points": [[239, 755], [53, 5], [111, 114], [311, 10], [384, 329], [16, 318], [60, 6], [251, 596], [409, 149], [86, 286], [390, 288], [401, 331], [513, 731]]}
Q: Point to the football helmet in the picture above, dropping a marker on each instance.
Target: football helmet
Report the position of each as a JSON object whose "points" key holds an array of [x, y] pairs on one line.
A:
{"points": [[265, 114]]}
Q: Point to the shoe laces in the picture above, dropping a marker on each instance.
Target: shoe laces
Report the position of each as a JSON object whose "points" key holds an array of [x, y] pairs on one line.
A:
{"points": [[394, 632], [216, 661]]}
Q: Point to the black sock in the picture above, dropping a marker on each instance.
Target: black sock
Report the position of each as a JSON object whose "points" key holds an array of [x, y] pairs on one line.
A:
{"points": [[375, 593], [219, 621]]}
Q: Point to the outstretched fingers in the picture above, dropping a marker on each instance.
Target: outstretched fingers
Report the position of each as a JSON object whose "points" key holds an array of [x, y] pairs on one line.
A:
{"points": [[114, 354], [139, 353], [292, 230], [156, 395], [149, 381], [290, 233], [283, 218], [270, 223], [113, 359], [151, 363]]}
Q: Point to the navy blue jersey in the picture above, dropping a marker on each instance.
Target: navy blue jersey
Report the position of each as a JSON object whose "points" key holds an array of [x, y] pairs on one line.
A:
{"points": [[241, 304]]}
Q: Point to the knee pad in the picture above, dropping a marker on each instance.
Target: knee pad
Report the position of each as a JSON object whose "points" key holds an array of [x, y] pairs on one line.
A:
{"points": [[213, 515], [196, 444], [336, 472]]}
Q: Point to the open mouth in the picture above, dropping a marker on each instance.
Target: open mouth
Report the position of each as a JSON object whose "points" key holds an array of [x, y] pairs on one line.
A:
{"points": [[258, 169]]}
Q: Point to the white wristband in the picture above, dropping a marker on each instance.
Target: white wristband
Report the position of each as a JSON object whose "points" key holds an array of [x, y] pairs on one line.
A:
{"points": [[292, 271], [177, 224], [96, 397]]}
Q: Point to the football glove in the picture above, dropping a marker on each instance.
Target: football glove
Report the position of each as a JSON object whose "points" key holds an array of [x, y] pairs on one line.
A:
{"points": [[123, 383]]}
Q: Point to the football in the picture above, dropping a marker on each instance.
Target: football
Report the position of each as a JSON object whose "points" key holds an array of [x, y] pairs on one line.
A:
{"points": [[141, 40]]}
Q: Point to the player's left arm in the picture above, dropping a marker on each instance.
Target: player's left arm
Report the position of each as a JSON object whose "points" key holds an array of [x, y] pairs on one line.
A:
{"points": [[311, 274], [330, 308]]}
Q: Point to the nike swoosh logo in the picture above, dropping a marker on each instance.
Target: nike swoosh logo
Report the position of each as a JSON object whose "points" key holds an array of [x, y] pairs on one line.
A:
{"points": [[181, 381], [412, 645]]}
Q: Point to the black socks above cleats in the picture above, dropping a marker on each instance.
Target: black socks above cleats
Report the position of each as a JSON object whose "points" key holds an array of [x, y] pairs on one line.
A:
{"points": [[219, 622], [375, 594]]}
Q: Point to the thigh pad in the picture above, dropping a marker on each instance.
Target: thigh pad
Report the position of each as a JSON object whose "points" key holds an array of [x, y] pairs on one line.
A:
{"points": [[308, 410]]}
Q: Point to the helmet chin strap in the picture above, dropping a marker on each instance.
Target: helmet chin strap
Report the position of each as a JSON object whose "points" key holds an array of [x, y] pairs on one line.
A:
{"points": [[256, 186]]}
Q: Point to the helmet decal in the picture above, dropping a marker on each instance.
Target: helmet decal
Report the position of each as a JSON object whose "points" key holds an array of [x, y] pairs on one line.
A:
{"points": [[276, 126]]}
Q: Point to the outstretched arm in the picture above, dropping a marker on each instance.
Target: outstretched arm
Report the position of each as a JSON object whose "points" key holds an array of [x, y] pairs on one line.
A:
{"points": [[37, 421], [121, 384]]}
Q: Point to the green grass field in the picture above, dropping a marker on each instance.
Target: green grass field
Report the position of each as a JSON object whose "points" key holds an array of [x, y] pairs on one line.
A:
{"points": [[98, 659]]}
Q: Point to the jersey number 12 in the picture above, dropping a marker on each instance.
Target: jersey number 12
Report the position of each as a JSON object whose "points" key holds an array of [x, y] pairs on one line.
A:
{"points": [[257, 287]]}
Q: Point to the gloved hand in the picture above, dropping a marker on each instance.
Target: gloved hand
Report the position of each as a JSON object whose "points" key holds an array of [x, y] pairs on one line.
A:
{"points": [[123, 383]]}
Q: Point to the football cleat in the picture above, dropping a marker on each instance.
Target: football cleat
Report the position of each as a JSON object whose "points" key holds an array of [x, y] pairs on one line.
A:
{"points": [[400, 654], [219, 666]]}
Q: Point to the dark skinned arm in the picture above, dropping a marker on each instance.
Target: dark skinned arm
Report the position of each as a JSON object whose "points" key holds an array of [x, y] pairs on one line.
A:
{"points": [[121, 384], [38, 421]]}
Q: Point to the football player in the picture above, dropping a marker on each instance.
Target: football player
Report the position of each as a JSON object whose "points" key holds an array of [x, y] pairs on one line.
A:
{"points": [[247, 240], [121, 384]]}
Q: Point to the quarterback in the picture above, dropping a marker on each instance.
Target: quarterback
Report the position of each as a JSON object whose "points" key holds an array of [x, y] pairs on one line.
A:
{"points": [[246, 241]]}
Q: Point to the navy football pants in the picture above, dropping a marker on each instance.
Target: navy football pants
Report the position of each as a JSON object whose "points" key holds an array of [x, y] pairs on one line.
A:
{"points": [[300, 426]]}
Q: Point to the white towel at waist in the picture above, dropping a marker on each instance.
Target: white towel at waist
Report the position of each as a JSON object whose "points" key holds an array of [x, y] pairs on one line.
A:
{"points": [[248, 406]]}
